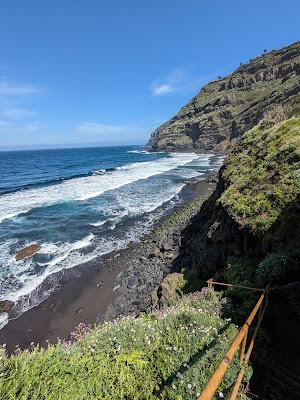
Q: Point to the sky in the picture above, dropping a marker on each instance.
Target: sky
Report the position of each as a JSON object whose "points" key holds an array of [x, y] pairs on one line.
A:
{"points": [[109, 72]]}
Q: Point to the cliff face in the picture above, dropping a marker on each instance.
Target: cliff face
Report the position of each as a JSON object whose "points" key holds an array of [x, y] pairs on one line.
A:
{"points": [[254, 213], [225, 109]]}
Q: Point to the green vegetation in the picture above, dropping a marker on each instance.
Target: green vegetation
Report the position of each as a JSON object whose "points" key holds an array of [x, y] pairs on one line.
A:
{"points": [[179, 218], [165, 355], [262, 174]]}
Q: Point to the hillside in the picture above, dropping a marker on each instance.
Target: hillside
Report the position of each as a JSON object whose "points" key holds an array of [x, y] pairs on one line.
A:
{"points": [[225, 109], [254, 211], [164, 355], [248, 233]]}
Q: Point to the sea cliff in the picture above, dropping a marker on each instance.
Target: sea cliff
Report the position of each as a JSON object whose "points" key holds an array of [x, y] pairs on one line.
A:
{"points": [[228, 107]]}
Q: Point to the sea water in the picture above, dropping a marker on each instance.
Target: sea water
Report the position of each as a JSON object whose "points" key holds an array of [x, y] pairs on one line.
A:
{"points": [[62, 201]]}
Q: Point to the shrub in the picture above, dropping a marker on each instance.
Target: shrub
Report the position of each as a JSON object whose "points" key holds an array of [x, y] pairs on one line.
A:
{"points": [[273, 267], [165, 355], [241, 272]]}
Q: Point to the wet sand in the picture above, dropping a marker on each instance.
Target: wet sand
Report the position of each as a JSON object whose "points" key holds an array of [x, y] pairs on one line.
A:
{"points": [[84, 296]]}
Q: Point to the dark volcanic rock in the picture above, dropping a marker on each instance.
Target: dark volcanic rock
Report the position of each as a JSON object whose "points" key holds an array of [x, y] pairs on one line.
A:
{"points": [[6, 305], [225, 109]]}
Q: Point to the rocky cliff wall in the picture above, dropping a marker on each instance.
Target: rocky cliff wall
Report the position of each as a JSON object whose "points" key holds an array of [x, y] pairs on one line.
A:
{"points": [[225, 109], [254, 212]]}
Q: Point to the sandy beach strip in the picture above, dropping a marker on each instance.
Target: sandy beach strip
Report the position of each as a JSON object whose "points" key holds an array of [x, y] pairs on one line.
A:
{"points": [[121, 284]]}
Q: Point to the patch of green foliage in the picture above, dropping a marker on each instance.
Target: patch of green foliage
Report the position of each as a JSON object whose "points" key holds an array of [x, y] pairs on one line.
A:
{"points": [[164, 355], [241, 272], [272, 268], [180, 217], [262, 174]]}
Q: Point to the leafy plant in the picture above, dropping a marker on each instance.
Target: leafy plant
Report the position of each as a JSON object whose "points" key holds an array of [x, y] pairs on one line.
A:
{"points": [[273, 267]]}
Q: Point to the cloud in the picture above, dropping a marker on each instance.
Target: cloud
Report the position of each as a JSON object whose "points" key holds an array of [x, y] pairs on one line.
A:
{"points": [[17, 113], [178, 81], [4, 124], [9, 128], [94, 128], [105, 133], [160, 89], [13, 110], [9, 88]]}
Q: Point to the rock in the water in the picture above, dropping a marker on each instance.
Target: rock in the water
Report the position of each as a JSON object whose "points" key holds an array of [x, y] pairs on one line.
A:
{"points": [[6, 305], [27, 251]]}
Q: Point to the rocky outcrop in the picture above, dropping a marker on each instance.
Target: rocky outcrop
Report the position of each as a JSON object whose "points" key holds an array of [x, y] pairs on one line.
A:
{"points": [[255, 210], [146, 280], [27, 251], [6, 306], [226, 108]]}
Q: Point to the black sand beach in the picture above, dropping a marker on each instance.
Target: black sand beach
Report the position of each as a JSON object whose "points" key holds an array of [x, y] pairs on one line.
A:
{"points": [[122, 284]]}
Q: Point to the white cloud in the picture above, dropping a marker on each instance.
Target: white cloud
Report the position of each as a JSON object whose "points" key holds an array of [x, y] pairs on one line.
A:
{"points": [[178, 81], [9, 88], [13, 108], [8, 128], [4, 124], [160, 89], [94, 128], [17, 113], [97, 131]]}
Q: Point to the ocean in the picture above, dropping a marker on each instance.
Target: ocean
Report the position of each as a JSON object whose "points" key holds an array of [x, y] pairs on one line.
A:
{"points": [[60, 200]]}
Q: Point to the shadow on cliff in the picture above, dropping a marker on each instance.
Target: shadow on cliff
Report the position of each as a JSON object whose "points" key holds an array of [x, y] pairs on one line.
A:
{"points": [[212, 238], [209, 242]]}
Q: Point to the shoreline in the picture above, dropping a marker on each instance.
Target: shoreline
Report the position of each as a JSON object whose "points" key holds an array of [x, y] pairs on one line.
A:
{"points": [[120, 284]]}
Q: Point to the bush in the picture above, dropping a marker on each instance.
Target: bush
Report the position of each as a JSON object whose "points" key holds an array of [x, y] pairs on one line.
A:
{"points": [[273, 267], [241, 272], [166, 355]]}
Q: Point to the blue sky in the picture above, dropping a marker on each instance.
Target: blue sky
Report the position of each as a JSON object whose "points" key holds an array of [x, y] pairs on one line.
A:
{"points": [[110, 72]]}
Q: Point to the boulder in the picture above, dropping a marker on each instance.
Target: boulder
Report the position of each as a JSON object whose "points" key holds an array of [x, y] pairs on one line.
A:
{"points": [[6, 305], [132, 282], [27, 251]]}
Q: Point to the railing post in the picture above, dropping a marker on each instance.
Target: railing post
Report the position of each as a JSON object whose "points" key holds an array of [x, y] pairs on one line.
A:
{"points": [[209, 283]]}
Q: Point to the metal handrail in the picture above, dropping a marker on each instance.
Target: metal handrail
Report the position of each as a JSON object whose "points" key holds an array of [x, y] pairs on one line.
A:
{"points": [[240, 341]]}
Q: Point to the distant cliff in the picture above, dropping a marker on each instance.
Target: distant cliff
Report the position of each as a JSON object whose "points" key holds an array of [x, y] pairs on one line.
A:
{"points": [[225, 109]]}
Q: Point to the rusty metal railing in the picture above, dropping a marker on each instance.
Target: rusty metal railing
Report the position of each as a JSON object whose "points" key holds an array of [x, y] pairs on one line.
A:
{"points": [[239, 342]]}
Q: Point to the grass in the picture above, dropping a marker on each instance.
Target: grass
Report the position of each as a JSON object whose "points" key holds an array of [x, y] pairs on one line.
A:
{"points": [[165, 355], [262, 174]]}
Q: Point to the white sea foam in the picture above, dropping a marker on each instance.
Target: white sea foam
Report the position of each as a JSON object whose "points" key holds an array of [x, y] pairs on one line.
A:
{"points": [[3, 319], [145, 152], [84, 188], [22, 280], [100, 223], [20, 273], [67, 255]]}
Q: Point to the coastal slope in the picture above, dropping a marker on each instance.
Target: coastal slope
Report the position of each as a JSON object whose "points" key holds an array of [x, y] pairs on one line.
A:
{"points": [[226, 108], [254, 211]]}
